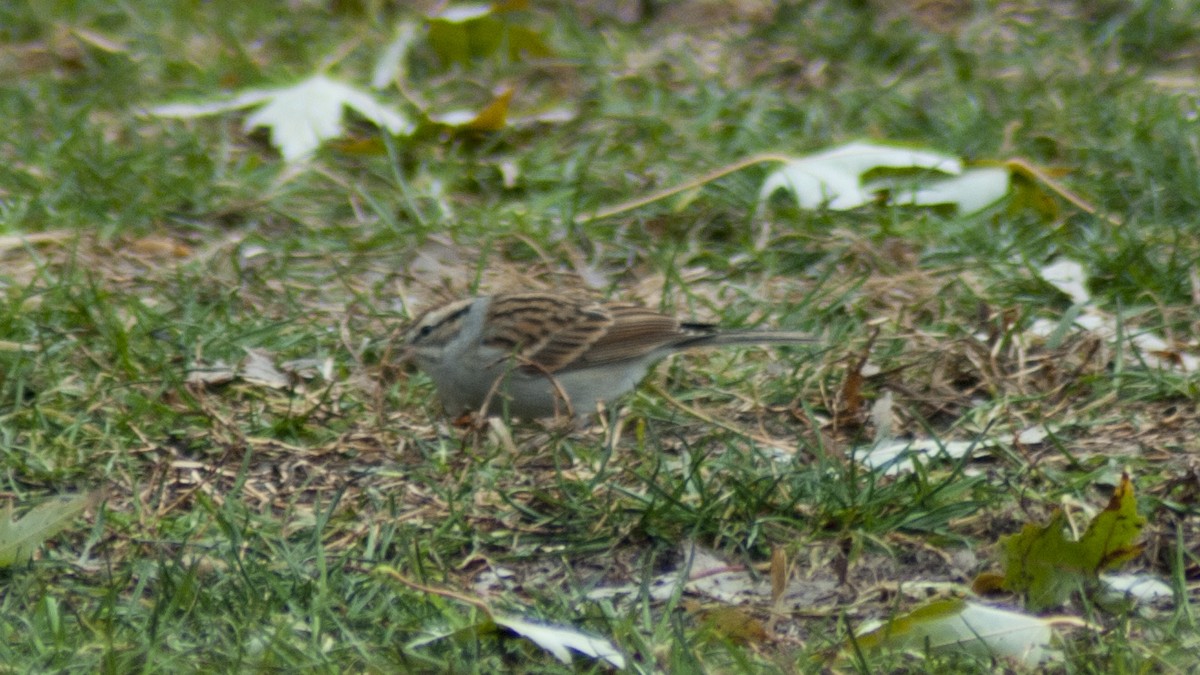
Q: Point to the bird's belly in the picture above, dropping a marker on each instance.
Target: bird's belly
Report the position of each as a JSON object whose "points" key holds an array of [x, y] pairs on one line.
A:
{"points": [[530, 394], [543, 395]]}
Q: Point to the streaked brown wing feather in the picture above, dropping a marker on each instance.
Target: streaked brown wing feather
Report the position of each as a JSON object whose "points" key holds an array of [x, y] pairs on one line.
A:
{"points": [[549, 332], [576, 339], [635, 332]]}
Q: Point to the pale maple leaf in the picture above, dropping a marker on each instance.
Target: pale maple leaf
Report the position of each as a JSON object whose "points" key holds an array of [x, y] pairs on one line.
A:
{"points": [[301, 116]]}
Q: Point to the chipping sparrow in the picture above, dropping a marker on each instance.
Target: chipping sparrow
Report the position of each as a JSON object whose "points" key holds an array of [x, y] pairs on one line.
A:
{"points": [[543, 354]]}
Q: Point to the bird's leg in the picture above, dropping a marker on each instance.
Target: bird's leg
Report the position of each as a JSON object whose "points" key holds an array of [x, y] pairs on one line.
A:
{"points": [[559, 392]]}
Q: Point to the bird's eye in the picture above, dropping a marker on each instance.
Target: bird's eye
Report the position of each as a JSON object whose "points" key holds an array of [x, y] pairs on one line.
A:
{"points": [[425, 331]]}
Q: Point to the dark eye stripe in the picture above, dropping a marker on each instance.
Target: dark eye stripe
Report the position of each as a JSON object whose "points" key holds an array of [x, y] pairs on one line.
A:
{"points": [[456, 315], [426, 330]]}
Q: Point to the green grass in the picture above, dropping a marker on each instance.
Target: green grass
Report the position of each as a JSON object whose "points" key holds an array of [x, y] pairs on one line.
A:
{"points": [[241, 523]]}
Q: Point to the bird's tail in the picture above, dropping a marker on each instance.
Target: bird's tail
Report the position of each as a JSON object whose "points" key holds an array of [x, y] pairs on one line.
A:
{"points": [[707, 336]]}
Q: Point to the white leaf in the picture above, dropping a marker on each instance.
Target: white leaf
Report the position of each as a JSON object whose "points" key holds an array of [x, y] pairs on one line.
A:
{"points": [[894, 457], [973, 190], [258, 368], [1068, 276], [958, 625], [834, 177], [301, 116], [882, 417], [464, 13], [245, 99], [1156, 352], [1139, 587], [218, 373], [390, 66], [454, 118], [559, 639], [1004, 633], [700, 572], [1033, 435]]}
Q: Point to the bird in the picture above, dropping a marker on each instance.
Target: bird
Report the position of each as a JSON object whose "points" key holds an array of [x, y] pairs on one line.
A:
{"points": [[543, 354]]}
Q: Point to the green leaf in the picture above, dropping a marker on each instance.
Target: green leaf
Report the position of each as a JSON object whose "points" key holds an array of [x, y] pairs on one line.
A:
{"points": [[461, 33], [1111, 538], [1046, 566], [19, 538], [1042, 563]]}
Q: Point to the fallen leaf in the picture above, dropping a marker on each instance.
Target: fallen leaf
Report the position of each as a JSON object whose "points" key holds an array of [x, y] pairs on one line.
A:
{"points": [[258, 367], [1068, 276], [1111, 538], [390, 66], [14, 241], [834, 178], [1149, 349], [1041, 563], [160, 247], [9, 346], [893, 457], [561, 640], [301, 116], [1140, 587], [1045, 566], [19, 538], [973, 190], [954, 624], [491, 118], [461, 32], [733, 624]]}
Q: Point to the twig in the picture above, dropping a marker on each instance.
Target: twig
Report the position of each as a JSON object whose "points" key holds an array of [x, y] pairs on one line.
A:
{"points": [[394, 575], [682, 187], [1024, 166]]}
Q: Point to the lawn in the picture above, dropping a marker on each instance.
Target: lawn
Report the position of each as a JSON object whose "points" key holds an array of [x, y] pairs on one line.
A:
{"points": [[199, 332]]}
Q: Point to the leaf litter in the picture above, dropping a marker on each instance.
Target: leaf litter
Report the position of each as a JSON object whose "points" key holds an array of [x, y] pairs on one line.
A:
{"points": [[379, 454]]}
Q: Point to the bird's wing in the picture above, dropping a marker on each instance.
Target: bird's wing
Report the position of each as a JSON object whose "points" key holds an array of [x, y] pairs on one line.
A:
{"points": [[545, 332], [636, 332], [551, 333]]}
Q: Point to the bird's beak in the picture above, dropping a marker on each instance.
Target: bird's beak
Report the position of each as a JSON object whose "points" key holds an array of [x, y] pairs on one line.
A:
{"points": [[406, 355]]}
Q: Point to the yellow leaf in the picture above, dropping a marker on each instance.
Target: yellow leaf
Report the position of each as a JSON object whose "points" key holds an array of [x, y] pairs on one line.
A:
{"points": [[510, 5], [779, 573], [988, 583], [1111, 537], [954, 624], [734, 624], [493, 115], [902, 626], [360, 146]]}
